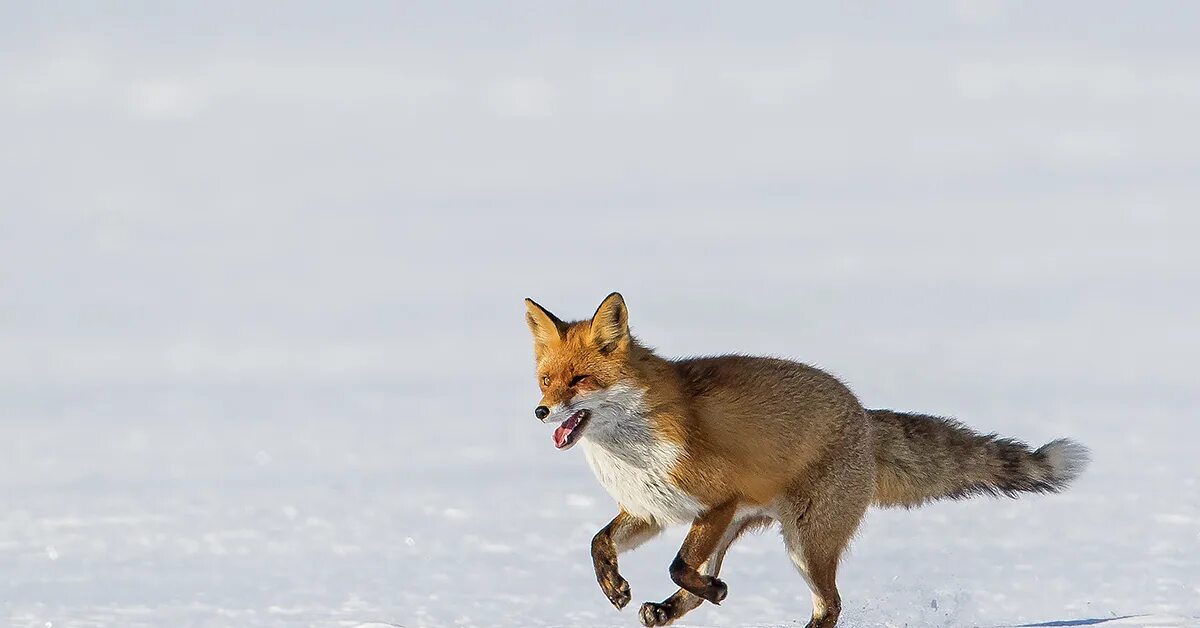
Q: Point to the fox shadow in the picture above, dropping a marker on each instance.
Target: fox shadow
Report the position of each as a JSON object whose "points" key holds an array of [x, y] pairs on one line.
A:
{"points": [[1075, 622], [1123, 620]]}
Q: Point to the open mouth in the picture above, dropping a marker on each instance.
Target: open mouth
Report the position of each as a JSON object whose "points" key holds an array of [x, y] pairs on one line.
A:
{"points": [[569, 431]]}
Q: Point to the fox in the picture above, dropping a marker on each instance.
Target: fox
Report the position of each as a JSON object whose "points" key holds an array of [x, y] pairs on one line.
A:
{"points": [[729, 444]]}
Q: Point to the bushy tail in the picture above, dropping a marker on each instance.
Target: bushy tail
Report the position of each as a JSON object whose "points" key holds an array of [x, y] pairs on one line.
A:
{"points": [[920, 458]]}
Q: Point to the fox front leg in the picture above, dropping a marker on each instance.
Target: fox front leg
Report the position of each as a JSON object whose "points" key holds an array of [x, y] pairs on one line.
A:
{"points": [[622, 534], [702, 541], [682, 602]]}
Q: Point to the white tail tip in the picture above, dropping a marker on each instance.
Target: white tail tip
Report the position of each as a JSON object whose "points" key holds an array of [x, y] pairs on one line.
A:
{"points": [[1067, 459]]}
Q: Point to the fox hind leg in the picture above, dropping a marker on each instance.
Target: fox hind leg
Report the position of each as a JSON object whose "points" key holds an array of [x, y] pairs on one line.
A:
{"points": [[816, 530]]}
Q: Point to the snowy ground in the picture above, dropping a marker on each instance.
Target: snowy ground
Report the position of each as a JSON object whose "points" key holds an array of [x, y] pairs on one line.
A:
{"points": [[346, 516], [262, 358], [418, 490]]}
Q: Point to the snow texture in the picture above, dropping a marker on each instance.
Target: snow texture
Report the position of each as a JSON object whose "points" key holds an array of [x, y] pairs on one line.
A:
{"points": [[262, 354]]}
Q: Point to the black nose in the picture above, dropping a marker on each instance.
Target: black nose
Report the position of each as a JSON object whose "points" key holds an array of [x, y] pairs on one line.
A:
{"points": [[541, 412]]}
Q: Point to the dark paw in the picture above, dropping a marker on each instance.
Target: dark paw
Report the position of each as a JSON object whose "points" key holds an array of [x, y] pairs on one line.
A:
{"points": [[714, 590], [654, 614], [829, 620], [616, 589]]}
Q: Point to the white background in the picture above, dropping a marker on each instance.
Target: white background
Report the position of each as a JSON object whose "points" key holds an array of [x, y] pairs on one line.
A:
{"points": [[262, 357]]}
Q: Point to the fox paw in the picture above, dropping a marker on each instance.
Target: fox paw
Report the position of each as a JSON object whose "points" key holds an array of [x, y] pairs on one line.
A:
{"points": [[616, 589], [828, 619], [714, 590], [655, 614]]}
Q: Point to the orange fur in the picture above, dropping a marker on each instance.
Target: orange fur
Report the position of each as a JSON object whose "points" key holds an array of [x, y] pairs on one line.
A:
{"points": [[730, 442]]}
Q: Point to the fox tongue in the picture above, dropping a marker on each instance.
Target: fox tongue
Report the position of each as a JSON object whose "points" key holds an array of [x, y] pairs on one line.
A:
{"points": [[564, 430], [561, 433]]}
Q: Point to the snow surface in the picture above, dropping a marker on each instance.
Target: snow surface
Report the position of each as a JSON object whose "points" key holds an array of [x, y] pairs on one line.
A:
{"points": [[262, 357]]}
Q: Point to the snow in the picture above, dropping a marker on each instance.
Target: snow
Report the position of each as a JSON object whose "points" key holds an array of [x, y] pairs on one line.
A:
{"points": [[262, 356]]}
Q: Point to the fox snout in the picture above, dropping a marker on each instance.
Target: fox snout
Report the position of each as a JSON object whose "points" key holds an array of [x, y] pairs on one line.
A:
{"points": [[551, 412], [554, 401]]}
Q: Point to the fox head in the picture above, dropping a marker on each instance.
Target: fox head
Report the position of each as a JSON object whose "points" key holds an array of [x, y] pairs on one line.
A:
{"points": [[581, 368]]}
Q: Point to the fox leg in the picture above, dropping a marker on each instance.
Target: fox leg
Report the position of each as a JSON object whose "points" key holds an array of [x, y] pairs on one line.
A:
{"points": [[817, 527], [682, 602], [622, 534], [702, 540]]}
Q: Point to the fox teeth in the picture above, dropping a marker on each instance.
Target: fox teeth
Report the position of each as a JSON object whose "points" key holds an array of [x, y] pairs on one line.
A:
{"points": [[565, 433]]}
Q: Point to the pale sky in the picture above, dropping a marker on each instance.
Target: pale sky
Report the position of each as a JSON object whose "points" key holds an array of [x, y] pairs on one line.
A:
{"points": [[242, 189]]}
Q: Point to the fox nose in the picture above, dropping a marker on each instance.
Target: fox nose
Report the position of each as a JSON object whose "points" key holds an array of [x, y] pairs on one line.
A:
{"points": [[541, 412]]}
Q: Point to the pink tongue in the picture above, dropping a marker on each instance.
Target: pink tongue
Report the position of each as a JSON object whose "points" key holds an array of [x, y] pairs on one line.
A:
{"points": [[563, 431], [560, 435]]}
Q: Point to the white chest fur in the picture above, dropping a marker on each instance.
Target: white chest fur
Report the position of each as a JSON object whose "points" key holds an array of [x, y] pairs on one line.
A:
{"points": [[641, 484], [633, 464]]}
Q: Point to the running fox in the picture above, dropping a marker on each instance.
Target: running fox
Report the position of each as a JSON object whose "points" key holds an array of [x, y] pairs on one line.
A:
{"points": [[734, 443]]}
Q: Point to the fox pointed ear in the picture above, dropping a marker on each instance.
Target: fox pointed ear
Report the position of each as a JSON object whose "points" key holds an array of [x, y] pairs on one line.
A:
{"points": [[610, 324], [546, 328]]}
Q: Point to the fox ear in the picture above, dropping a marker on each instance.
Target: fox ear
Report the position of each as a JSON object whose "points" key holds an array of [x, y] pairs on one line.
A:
{"points": [[546, 328], [610, 324]]}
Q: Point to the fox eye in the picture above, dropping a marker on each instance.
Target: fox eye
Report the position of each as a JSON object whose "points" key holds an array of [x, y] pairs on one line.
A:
{"points": [[545, 380], [577, 379]]}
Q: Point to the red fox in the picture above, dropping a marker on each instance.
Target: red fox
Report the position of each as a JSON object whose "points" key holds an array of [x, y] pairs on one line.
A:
{"points": [[735, 443]]}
